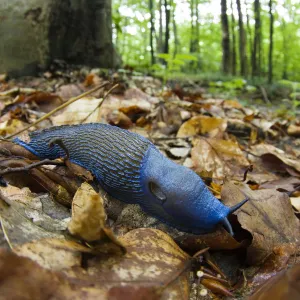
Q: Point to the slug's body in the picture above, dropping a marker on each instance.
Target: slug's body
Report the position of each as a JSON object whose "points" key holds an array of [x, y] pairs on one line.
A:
{"points": [[131, 169]]}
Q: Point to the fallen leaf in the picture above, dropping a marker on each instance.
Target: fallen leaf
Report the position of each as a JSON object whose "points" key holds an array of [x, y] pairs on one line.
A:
{"points": [[285, 285], [117, 118], [229, 104], [283, 184], [222, 158], [30, 216], [201, 125], [153, 264], [268, 216], [295, 202], [11, 126], [275, 158], [294, 130], [78, 111], [88, 215], [88, 221]]}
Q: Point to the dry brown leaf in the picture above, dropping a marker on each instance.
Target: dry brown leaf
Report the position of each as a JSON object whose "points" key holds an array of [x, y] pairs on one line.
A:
{"points": [[268, 216], [117, 118], [76, 112], [153, 264], [201, 125], [88, 215], [294, 130], [284, 286], [283, 184], [296, 202], [275, 158], [30, 216], [220, 239], [222, 158], [229, 104], [11, 126], [22, 278]]}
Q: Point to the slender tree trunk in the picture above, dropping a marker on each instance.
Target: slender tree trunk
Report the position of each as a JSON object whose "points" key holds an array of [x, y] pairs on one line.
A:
{"points": [[249, 31], [151, 31], [270, 71], [160, 33], [233, 44], [256, 55], [167, 27], [176, 40], [192, 4], [225, 38], [284, 50], [197, 25], [242, 41]]}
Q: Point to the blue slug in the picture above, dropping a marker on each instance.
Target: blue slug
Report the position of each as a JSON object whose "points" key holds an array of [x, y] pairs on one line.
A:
{"points": [[131, 169]]}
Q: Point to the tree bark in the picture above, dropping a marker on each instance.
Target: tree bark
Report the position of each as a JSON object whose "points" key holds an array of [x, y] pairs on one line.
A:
{"points": [[242, 41], [176, 40], [233, 44], [35, 32], [194, 42], [151, 31], [256, 54], [225, 38], [270, 70], [160, 32], [167, 27]]}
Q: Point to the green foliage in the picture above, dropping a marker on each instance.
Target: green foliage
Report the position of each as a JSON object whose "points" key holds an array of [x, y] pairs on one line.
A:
{"points": [[131, 25], [172, 64]]}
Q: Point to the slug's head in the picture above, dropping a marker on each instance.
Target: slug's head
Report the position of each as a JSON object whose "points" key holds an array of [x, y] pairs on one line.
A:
{"points": [[177, 196]]}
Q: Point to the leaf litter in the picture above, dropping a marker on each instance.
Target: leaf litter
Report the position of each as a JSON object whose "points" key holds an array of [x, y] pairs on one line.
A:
{"points": [[106, 249]]}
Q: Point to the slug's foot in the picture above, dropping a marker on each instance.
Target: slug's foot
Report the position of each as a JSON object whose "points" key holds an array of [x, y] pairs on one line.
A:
{"points": [[59, 142]]}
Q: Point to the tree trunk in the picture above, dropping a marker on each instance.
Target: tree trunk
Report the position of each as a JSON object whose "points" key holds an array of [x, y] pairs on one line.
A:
{"points": [[242, 41], [35, 32], [233, 44], [151, 31], [270, 71], [249, 31], [160, 32], [176, 40], [225, 38], [256, 55], [285, 50], [194, 42], [167, 27]]}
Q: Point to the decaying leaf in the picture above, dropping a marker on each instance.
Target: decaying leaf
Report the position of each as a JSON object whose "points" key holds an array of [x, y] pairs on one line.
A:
{"points": [[153, 265], [221, 157], [268, 216], [201, 125], [285, 285], [88, 215], [275, 158], [30, 216]]}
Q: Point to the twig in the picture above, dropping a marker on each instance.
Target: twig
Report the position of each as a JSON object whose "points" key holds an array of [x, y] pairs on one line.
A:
{"points": [[31, 166], [5, 233], [100, 104], [57, 109], [264, 93]]}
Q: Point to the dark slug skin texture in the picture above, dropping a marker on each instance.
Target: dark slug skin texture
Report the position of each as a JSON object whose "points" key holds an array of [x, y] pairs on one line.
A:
{"points": [[130, 168]]}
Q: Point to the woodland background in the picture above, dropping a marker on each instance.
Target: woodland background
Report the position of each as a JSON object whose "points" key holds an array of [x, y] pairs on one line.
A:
{"points": [[257, 40]]}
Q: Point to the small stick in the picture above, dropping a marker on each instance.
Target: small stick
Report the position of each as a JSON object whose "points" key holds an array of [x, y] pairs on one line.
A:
{"points": [[5, 234], [100, 104], [31, 166], [58, 108]]}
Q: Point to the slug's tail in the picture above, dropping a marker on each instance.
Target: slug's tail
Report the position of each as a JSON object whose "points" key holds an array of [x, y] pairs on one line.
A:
{"points": [[225, 221]]}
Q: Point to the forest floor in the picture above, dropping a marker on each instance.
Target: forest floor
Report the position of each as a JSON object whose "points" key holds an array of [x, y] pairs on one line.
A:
{"points": [[238, 147]]}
